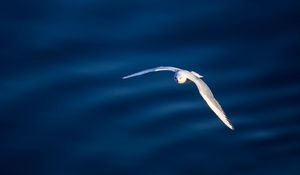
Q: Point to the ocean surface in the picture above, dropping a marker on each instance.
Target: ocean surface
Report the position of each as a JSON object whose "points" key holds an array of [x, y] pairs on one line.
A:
{"points": [[65, 110]]}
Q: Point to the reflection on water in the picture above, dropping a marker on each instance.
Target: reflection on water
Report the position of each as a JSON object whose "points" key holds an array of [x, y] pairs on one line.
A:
{"points": [[65, 109]]}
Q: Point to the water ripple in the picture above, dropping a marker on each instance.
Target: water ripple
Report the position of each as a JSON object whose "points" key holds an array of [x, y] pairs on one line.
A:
{"points": [[65, 108]]}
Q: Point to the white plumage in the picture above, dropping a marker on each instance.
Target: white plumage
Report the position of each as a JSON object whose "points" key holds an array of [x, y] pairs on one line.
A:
{"points": [[181, 77]]}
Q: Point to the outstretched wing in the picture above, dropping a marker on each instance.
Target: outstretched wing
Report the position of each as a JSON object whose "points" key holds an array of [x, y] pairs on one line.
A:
{"points": [[156, 69], [210, 99]]}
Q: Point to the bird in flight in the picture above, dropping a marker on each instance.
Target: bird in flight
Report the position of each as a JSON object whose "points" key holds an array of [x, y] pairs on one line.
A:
{"points": [[182, 76]]}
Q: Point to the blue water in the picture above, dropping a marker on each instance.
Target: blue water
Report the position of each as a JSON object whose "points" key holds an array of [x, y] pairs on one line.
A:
{"points": [[64, 109]]}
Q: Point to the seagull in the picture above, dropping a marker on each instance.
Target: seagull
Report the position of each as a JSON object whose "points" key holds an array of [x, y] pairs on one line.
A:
{"points": [[182, 76]]}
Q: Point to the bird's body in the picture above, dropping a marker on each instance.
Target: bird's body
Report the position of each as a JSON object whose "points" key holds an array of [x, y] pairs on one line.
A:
{"points": [[182, 76]]}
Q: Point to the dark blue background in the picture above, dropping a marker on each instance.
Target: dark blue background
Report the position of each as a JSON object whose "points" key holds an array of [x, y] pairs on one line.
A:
{"points": [[64, 109]]}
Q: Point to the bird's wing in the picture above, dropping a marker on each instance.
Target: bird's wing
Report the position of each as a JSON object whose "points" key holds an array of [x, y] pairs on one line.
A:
{"points": [[210, 99], [161, 68]]}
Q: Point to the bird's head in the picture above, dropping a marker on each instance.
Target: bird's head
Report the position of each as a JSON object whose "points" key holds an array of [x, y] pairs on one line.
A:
{"points": [[180, 77]]}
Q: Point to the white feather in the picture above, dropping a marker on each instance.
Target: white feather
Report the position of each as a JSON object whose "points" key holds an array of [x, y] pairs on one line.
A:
{"points": [[204, 90]]}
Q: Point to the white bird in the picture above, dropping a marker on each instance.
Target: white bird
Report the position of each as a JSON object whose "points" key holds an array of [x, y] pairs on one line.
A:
{"points": [[182, 76]]}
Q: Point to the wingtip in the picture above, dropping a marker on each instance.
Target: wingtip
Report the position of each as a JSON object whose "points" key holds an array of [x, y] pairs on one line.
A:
{"points": [[229, 125]]}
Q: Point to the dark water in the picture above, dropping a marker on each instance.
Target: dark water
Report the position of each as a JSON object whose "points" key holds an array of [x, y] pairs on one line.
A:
{"points": [[64, 109]]}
